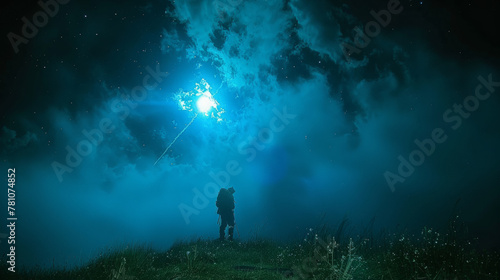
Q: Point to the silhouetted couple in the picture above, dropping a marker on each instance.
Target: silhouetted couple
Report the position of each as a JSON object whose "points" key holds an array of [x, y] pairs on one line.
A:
{"points": [[225, 205]]}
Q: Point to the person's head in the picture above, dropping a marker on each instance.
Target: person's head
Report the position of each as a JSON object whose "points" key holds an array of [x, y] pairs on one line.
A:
{"points": [[231, 190]]}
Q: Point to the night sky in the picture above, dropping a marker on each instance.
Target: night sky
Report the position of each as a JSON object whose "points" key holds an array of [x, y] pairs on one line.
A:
{"points": [[312, 119]]}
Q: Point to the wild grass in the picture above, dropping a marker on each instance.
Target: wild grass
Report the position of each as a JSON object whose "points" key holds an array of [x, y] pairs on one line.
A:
{"points": [[322, 254]]}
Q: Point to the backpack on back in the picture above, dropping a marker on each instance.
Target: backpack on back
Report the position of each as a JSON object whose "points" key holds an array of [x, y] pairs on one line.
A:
{"points": [[225, 201]]}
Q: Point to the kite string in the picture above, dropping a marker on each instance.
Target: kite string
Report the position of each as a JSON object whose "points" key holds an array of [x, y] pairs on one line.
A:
{"points": [[221, 84], [175, 139]]}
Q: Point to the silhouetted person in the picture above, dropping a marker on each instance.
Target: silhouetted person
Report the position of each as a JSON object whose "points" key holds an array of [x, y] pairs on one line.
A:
{"points": [[225, 205]]}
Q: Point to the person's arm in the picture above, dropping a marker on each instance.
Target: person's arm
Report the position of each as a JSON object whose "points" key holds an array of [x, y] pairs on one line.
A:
{"points": [[217, 201]]}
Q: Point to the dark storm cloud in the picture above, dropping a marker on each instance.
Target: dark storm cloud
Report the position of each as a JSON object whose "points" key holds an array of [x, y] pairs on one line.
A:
{"points": [[235, 39], [319, 26], [351, 121]]}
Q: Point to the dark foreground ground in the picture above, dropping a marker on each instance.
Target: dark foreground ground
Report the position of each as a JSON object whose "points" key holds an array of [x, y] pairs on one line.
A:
{"points": [[322, 254]]}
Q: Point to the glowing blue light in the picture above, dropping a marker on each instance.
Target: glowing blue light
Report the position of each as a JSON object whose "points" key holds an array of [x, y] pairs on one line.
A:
{"points": [[205, 103]]}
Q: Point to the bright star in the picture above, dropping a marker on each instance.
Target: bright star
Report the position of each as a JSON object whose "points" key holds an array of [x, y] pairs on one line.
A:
{"points": [[205, 103]]}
